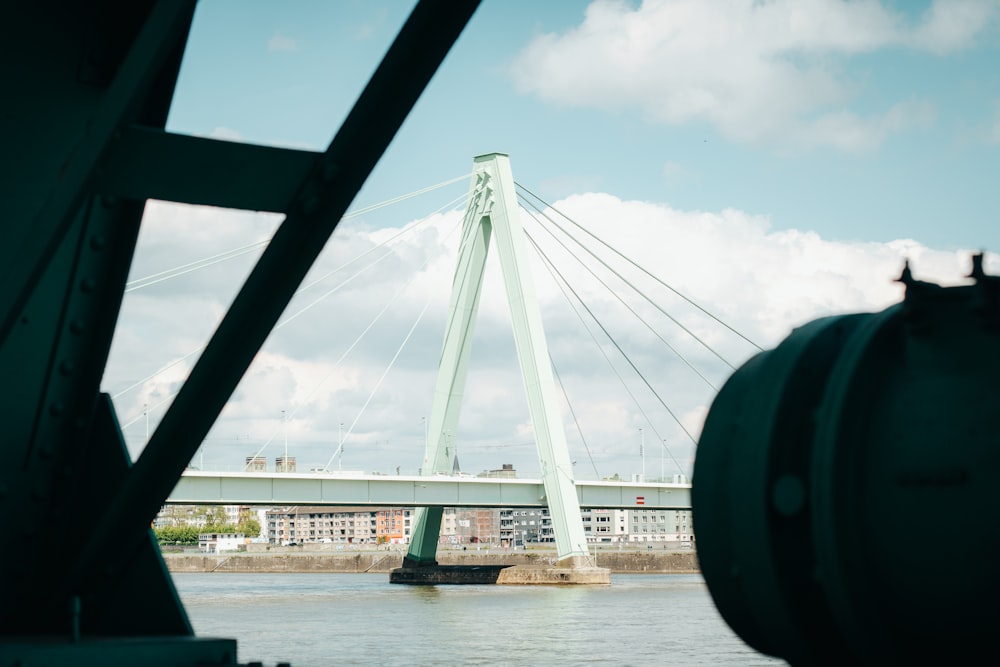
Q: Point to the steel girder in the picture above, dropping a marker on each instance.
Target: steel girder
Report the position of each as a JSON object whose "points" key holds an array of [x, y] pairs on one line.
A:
{"points": [[84, 147]]}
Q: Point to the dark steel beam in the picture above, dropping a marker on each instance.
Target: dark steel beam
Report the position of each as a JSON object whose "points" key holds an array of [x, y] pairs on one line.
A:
{"points": [[143, 164], [166, 27], [331, 186]]}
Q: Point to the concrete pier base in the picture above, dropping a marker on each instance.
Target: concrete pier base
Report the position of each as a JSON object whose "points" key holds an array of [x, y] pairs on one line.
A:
{"points": [[430, 575], [569, 571]]}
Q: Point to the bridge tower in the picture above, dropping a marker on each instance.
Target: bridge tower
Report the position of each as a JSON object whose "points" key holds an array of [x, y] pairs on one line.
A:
{"points": [[492, 212]]}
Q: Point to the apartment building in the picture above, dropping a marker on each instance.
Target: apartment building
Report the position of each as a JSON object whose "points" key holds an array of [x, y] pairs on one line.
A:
{"points": [[604, 526], [472, 526], [393, 525], [658, 525], [525, 525], [343, 525]]}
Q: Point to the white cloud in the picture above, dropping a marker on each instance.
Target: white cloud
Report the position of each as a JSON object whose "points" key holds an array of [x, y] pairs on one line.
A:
{"points": [[850, 132], [757, 71], [281, 42], [952, 25], [325, 366]]}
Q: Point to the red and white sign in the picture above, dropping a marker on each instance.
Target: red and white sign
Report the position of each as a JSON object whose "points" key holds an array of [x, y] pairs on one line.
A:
{"points": [[640, 500]]}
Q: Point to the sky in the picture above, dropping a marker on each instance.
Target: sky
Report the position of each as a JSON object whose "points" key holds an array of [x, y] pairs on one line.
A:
{"points": [[774, 162]]}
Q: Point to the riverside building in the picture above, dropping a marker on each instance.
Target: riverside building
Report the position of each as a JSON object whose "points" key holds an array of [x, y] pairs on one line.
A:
{"points": [[340, 525]]}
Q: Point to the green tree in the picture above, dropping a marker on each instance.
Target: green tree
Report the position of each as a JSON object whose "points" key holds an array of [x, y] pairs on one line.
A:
{"points": [[249, 527], [219, 528], [176, 535]]}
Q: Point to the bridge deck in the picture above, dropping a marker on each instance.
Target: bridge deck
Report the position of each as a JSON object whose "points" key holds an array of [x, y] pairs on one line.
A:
{"points": [[249, 488]]}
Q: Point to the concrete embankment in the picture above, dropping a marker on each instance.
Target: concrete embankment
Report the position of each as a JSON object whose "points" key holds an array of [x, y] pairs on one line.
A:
{"points": [[621, 562]]}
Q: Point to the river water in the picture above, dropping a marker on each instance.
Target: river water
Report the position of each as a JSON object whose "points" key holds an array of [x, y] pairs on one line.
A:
{"points": [[319, 620]]}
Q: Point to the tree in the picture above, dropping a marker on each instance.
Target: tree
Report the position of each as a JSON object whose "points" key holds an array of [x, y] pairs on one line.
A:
{"points": [[249, 527], [219, 528], [176, 535]]}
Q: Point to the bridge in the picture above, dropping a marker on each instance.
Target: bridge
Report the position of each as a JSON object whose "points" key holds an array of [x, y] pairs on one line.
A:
{"points": [[492, 216], [255, 488], [854, 438]]}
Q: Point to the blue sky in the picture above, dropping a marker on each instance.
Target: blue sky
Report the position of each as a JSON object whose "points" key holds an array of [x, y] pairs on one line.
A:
{"points": [[777, 160], [287, 74]]}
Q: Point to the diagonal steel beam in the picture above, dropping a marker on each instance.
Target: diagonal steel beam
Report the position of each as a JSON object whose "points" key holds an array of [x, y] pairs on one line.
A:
{"points": [[338, 175], [166, 26]]}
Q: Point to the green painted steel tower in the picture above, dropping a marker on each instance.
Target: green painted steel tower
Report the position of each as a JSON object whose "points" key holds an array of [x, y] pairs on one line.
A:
{"points": [[492, 212]]}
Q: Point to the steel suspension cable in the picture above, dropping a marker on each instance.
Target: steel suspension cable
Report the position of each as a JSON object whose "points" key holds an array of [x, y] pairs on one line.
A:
{"points": [[378, 384], [277, 326], [177, 271], [405, 231], [576, 422], [622, 301], [639, 292], [563, 284], [611, 338], [350, 348], [183, 269], [293, 316], [643, 270], [410, 195]]}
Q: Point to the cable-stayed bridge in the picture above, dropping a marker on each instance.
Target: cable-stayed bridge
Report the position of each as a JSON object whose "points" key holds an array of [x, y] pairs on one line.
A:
{"points": [[629, 422], [492, 215]]}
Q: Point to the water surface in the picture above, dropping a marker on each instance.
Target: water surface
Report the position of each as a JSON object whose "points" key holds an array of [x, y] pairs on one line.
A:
{"points": [[313, 620]]}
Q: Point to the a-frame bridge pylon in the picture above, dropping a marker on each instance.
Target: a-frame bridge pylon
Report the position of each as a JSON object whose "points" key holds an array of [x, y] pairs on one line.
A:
{"points": [[492, 211]]}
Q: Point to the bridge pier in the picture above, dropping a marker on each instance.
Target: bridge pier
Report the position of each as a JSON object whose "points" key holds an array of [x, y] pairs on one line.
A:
{"points": [[424, 573], [568, 571]]}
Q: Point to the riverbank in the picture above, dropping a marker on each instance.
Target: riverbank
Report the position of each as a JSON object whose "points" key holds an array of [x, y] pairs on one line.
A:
{"points": [[620, 562]]}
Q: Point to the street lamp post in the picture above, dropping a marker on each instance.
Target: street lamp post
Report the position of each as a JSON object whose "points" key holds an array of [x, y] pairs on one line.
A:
{"points": [[662, 452], [642, 452], [284, 435]]}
